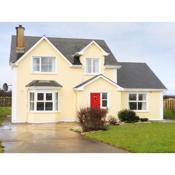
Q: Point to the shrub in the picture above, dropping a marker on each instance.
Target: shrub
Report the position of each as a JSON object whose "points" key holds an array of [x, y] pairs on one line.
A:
{"points": [[128, 116], [113, 121], [143, 119], [92, 119]]}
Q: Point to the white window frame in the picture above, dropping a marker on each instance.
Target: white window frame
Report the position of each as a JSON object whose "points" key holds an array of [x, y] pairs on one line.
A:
{"points": [[40, 72], [137, 101], [101, 95], [53, 92], [92, 64], [31, 101]]}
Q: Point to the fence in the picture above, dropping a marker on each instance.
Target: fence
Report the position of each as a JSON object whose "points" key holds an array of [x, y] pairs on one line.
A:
{"points": [[5, 101], [169, 103]]}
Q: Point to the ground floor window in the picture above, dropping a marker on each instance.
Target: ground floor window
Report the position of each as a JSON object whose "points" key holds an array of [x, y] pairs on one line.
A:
{"points": [[43, 101], [138, 101], [104, 100]]}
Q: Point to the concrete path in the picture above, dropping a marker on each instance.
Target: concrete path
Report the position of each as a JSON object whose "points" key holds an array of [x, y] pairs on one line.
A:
{"points": [[49, 138]]}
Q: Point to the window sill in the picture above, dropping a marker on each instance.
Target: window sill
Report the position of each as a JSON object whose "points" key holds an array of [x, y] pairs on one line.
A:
{"points": [[104, 108], [90, 74], [44, 73], [44, 112], [140, 111]]}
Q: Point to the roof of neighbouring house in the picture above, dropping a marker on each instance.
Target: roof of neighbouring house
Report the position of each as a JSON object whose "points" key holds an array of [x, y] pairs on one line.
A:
{"points": [[137, 75], [67, 46], [47, 83]]}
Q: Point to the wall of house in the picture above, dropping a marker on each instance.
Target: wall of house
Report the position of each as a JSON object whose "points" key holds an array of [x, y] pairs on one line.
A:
{"points": [[69, 100], [68, 77], [155, 106], [100, 85]]}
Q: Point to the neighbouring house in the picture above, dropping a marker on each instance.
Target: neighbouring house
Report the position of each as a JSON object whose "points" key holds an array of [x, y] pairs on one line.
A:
{"points": [[55, 77]]}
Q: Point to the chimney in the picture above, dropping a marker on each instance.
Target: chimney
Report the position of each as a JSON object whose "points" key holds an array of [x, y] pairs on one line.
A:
{"points": [[20, 39]]}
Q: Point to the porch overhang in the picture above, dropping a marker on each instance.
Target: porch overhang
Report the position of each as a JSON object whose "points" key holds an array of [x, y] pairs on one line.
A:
{"points": [[82, 85], [44, 84]]}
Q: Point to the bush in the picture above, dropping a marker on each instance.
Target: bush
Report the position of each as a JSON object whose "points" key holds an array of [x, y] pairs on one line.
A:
{"points": [[92, 119], [113, 121], [143, 119], [128, 116]]}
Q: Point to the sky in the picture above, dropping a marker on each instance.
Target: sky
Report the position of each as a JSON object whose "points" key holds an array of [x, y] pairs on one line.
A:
{"points": [[152, 43]]}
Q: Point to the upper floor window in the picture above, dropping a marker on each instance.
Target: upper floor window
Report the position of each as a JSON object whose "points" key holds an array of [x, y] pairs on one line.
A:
{"points": [[43, 64], [92, 65]]}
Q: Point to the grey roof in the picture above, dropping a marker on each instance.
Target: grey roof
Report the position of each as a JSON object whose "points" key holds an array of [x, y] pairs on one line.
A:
{"points": [[49, 83], [137, 75], [67, 46], [133, 75], [83, 83]]}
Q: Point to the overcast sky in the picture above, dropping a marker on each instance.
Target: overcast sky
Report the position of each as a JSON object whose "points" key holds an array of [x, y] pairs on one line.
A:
{"points": [[153, 43]]}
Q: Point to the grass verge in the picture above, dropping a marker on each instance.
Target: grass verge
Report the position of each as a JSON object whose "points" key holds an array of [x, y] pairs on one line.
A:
{"points": [[140, 137], [168, 114], [4, 111]]}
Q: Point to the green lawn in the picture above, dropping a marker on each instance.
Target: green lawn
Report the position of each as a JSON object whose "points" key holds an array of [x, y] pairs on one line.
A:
{"points": [[4, 111], [168, 114], [140, 137]]}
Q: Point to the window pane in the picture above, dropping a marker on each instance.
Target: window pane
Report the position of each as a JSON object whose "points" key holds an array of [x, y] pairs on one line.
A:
{"points": [[49, 106], [56, 101], [142, 106], [142, 97], [44, 64], [31, 96], [132, 105], [88, 66], [36, 64], [95, 65], [51, 64], [40, 96], [31, 106], [104, 95], [40, 106], [104, 103], [132, 97], [48, 96]]}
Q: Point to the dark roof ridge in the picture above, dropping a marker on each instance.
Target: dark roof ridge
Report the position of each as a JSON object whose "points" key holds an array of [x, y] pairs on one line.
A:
{"points": [[67, 46], [55, 37]]}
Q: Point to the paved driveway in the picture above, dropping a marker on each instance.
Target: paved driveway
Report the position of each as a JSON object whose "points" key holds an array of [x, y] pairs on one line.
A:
{"points": [[48, 138]]}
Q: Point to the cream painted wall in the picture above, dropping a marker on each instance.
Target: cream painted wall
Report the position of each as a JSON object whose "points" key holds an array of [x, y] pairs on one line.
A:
{"points": [[154, 106], [67, 76]]}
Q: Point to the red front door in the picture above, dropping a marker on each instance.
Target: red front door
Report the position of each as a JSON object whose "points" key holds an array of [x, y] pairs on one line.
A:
{"points": [[95, 100]]}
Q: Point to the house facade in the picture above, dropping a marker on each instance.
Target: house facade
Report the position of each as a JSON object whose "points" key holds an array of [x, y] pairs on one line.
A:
{"points": [[54, 77]]}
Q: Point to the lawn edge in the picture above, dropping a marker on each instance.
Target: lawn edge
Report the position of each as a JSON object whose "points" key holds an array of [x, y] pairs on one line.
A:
{"points": [[93, 139]]}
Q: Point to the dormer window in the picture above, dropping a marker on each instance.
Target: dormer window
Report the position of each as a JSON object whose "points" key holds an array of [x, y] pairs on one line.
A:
{"points": [[43, 64], [92, 65]]}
